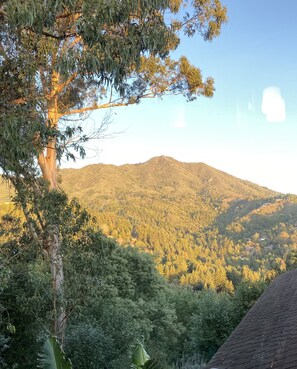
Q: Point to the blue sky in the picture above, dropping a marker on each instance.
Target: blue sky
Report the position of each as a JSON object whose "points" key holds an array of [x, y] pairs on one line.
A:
{"points": [[249, 128]]}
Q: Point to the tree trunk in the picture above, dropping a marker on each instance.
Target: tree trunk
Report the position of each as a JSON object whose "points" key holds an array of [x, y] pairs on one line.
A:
{"points": [[54, 241], [47, 161]]}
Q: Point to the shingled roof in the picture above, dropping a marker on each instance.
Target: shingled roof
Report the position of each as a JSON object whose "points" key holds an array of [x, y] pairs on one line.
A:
{"points": [[267, 335]]}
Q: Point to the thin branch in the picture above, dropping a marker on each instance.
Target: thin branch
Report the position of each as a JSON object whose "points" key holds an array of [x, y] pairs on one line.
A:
{"points": [[47, 34], [44, 33], [37, 213], [66, 119], [114, 104], [92, 108], [76, 41], [73, 43], [63, 85], [187, 21]]}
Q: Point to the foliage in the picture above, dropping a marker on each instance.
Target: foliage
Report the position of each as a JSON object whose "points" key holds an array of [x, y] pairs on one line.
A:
{"points": [[52, 356], [246, 295], [139, 356], [141, 360], [27, 302], [118, 296], [215, 317], [88, 346], [211, 324], [114, 295]]}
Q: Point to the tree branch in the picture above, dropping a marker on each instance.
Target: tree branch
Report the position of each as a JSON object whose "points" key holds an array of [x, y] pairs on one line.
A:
{"points": [[73, 43], [47, 34], [63, 85], [114, 104], [94, 107]]}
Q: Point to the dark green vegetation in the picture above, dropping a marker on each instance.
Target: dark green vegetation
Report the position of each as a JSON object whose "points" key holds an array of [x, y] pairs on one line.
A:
{"points": [[113, 295], [215, 238], [205, 227]]}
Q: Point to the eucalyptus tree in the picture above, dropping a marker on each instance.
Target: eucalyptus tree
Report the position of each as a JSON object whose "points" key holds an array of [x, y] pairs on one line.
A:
{"points": [[61, 59]]}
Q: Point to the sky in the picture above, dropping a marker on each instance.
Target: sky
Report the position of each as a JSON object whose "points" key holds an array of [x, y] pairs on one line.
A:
{"points": [[248, 129]]}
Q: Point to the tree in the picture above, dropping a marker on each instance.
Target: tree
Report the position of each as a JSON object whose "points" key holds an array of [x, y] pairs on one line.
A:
{"points": [[211, 324], [65, 58], [114, 296]]}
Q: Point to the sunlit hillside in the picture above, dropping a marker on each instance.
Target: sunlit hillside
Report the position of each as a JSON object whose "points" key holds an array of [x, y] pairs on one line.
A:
{"points": [[205, 227]]}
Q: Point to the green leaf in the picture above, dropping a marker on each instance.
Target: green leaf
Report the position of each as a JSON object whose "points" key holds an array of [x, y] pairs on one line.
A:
{"points": [[139, 356], [52, 356]]}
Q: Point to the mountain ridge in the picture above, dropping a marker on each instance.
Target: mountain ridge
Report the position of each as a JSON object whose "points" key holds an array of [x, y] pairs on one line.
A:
{"points": [[162, 173]]}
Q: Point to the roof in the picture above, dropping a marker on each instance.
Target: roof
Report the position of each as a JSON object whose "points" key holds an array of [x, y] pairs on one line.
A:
{"points": [[267, 335]]}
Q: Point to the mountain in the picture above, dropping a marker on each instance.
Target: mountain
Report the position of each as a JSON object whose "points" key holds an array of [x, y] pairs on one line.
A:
{"points": [[205, 227], [189, 195], [159, 175]]}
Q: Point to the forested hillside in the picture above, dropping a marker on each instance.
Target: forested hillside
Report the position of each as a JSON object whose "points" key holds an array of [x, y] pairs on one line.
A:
{"points": [[206, 228]]}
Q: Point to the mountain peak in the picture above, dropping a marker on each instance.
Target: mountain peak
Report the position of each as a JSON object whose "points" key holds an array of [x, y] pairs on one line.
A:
{"points": [[162, 159]]}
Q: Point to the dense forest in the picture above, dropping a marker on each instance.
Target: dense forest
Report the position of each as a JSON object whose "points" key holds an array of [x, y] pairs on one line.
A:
{"points": [[164, 260]]}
